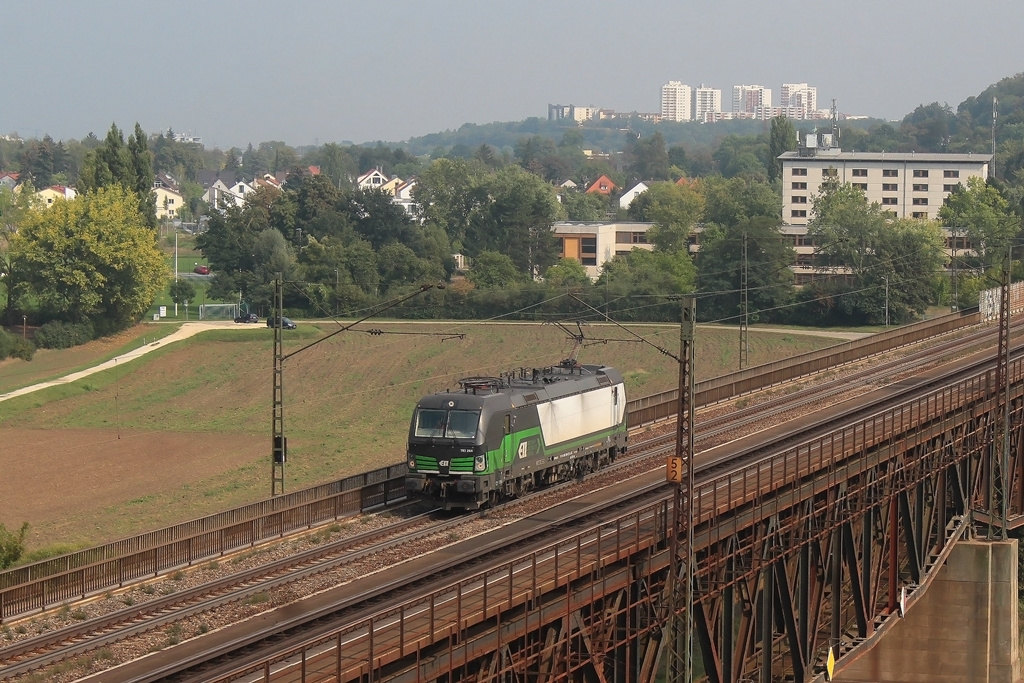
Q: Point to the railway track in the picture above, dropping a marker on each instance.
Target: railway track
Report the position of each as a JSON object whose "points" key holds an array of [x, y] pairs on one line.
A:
{"points": [[239, 650], [105, 631], [52, 583]]}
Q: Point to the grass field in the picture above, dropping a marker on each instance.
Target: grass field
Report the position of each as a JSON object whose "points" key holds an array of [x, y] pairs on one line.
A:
{"points": [[201, 408]]}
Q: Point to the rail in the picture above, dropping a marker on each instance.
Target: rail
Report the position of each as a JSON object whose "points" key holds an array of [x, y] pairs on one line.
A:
{"points": [[40, 585]]}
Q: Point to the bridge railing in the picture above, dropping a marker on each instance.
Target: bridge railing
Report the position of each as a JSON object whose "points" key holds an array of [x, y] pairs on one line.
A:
{"points": [[53, 581]]}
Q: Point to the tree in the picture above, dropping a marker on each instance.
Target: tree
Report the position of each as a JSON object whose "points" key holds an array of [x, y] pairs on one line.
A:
{"points": [[232, 163], [647, 274], [12, 545], [449, 192], [182, 291], [856, 239], [720, 262], [14, 209], [494, 270], [984, 215], [107, 164], [734, 200], [131, 166], [516, 220], [379, 220], [141, 176], [567, 272], [649, 158], [91, 258], [742, 155], [781, 138], [674, 210], [583, 206]]}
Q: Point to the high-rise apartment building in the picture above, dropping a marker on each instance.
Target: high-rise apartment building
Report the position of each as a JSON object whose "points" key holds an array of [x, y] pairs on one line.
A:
{"points": [[751, 99], [675, 101], [706, 100], [799, 96]]}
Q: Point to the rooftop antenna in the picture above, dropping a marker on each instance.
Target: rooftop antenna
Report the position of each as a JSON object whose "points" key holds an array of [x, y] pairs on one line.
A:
{"points": [[835, 123]]}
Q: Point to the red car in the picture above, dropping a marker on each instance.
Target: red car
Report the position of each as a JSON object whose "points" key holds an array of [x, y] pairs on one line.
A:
{"points": [[202, 270]]}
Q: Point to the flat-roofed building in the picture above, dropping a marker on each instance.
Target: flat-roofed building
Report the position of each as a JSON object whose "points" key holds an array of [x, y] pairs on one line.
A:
{"points": [[907, 185], [676, 99], [593, 244], [751, 99], [706, 100]]}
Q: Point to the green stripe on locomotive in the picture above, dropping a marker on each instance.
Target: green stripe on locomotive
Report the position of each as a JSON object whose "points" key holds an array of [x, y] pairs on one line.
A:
{"points": [[506, 456]]}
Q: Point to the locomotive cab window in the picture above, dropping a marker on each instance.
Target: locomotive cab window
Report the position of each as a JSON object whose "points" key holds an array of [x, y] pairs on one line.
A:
{"points": [[429, 422], [462, 424], [453, 424]]}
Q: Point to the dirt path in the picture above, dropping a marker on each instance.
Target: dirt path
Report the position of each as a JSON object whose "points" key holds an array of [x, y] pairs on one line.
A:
{"points": [[184, 332]]}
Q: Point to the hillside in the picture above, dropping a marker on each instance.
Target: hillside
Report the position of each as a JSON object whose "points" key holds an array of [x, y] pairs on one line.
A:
{"points": [[185, 431]]}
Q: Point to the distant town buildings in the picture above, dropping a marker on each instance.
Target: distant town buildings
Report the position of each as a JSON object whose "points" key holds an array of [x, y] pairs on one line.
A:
{"points": [[751, 99], [799, 96], [681, 102], [706, 100], [675, 102]]}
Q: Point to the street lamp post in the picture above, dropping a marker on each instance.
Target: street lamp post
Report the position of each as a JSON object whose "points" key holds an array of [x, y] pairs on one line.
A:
{"points": [[24, 326]]}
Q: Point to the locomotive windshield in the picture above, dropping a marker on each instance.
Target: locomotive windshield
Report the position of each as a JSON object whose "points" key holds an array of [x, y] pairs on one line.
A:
{"points": [[450, 424]]}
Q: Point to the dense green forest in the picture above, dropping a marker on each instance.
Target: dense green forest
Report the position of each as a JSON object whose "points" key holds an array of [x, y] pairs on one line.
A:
{"points": [[491, 192]]}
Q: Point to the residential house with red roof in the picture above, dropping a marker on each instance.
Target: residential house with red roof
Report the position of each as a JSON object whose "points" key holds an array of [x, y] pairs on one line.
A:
{"points": [[602, 185]]}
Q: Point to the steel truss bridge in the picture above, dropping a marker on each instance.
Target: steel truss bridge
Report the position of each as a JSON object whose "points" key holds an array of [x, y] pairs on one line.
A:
{"points": [[806, 538]]}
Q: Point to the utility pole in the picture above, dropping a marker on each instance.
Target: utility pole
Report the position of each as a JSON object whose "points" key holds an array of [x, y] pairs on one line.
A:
{"points": [[279, 446], [743, 306], [886, 278], [954, 305], [679, 471]]}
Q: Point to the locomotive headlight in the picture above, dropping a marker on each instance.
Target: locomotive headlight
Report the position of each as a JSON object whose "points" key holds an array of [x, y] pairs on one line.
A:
{"points": [[412, 463], [480, 463]]}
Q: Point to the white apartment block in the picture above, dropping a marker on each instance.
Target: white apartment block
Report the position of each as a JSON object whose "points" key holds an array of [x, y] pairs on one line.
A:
{"points": [[799, 96], [706, 100], [675, 101], [907, 185], [751, 98], [571, 111]]}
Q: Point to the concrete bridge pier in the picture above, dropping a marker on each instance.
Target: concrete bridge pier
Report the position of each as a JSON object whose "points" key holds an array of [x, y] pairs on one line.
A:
{"points": [[964, 627]]}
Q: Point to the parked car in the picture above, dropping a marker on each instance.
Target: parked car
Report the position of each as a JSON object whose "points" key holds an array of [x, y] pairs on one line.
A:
{"points": [[286, 322], [201, 270], [248, 318]]}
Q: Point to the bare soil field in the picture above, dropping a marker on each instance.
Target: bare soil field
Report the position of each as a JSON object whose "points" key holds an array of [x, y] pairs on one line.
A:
{"points": [[79, 485], [185, 430]]}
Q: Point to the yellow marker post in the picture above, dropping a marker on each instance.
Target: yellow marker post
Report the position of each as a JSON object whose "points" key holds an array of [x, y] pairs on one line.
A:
{"points": [[674, 470]]}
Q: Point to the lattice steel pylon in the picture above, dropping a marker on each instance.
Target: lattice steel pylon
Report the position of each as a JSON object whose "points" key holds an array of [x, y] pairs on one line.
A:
{"points": [[1004, 485], [680, 471], [743, 306], [279, 445]]}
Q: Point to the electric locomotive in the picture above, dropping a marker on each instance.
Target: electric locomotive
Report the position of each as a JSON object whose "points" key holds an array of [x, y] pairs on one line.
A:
{"points": [[500, 437]]}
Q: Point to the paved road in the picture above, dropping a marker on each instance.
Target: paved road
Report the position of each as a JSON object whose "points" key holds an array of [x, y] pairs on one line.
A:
{"points": [[186, 330]]}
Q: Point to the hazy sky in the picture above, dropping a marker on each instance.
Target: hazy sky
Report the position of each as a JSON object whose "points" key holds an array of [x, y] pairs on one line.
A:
{"points": [[306, 72]]}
